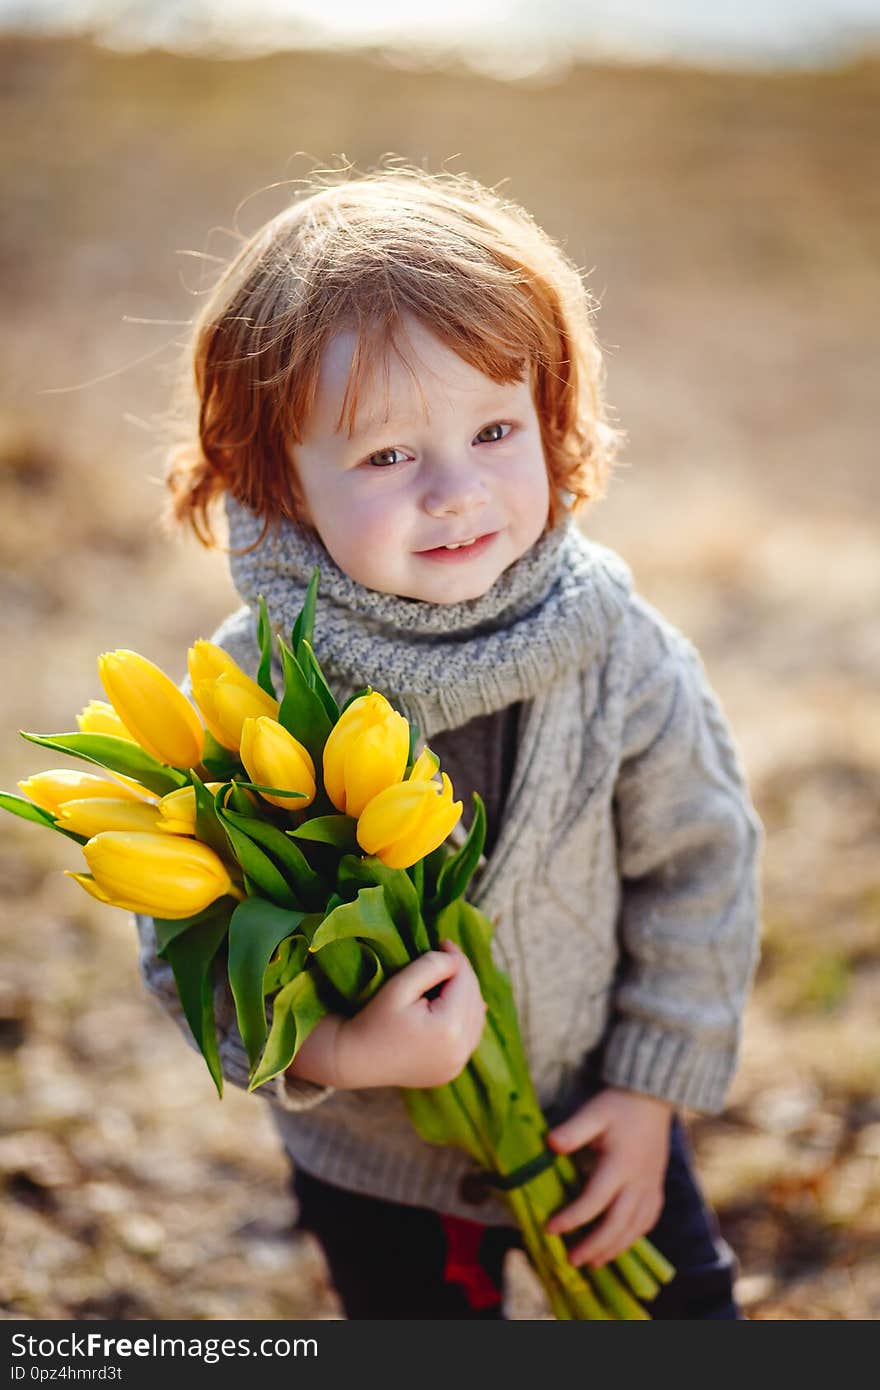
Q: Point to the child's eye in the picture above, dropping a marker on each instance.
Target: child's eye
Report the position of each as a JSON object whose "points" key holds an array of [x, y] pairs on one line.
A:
{"points": [[384, 458], [493, 438]]}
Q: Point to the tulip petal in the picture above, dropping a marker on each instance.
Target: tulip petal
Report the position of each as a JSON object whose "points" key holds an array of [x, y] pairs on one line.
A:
{"points": [[425, 837], [425, 767], [151, 707], [52, 789], [352, 721], [376, 759], [274, 758], [391, 814], [162, 875], [99, 717], [91, 815], [88, 883]]}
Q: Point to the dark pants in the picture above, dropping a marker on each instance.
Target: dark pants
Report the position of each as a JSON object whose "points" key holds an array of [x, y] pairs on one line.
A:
{"points": [[389, 1261]]}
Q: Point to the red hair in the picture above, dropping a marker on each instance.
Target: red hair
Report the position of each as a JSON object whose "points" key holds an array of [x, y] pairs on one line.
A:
{"points": [[359, 254]]}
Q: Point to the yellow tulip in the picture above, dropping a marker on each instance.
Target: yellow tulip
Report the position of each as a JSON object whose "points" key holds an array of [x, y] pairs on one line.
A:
{"points": [[426, 766], [274, 758], [99, 717], [206, 661], [367, 751], [151, 707], [91, 815], [407, 821], [226, 697], [52, 789], [177, 810], [159, 875], [225, 704]]}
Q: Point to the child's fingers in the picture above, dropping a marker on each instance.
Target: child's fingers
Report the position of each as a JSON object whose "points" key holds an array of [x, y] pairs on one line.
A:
{"points": [[427, 971], [581, 1128], [447, 945], [598, 1194], [614, 1234], [462, 994]]}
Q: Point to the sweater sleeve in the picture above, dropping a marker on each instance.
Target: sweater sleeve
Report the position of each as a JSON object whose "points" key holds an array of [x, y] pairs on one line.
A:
{"points": [[689, 843], [237, 635]]}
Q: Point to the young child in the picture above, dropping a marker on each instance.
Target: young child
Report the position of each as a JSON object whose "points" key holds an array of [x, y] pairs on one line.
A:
{"points": [[398, 381]]}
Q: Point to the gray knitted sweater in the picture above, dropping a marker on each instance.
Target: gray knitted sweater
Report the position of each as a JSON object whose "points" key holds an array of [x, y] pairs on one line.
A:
{"points": [[623, 880]]}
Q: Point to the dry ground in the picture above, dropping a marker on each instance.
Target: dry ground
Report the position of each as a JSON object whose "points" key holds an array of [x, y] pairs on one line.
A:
{"points": [[732, 225]]}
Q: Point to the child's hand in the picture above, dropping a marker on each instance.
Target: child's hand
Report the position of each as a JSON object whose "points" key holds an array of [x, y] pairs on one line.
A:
{"points": [[631, 1133], [403, 1039]]}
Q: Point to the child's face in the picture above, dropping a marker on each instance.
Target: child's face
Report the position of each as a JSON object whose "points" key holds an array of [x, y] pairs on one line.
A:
{"points": [[466, 462]]}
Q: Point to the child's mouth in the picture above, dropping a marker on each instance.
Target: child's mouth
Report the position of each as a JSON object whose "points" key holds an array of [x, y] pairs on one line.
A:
{"points": [[462, 551]]}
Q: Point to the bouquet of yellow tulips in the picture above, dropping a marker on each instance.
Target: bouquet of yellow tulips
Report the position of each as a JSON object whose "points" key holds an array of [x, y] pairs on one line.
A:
{"points": [[303, 848]]}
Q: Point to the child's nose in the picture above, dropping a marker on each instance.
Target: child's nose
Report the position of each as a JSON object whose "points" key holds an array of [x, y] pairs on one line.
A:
{"points": [[454, 488]]}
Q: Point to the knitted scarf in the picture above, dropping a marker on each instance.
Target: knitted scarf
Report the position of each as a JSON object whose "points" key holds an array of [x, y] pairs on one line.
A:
{"points": [[440, 664]]}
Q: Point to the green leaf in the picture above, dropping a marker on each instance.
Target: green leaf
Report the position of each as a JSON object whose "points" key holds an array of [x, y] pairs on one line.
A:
{"points": [[288, 961], [296, 1010], [302, 713], [209, 828], [169, 928], [304, 627], [471, 929], [367, 919], [439, 1118], [372, 969], [261, 871], [416, 873], [221, 762], [315, 677], [27, 810], [264, 637], [237, 800], [272, 791], [255, 930], [309, 886], [457, 872], [432, 866], [191, 957], [401, 897], [340, 831], [347, 966], [414, 736], [116, 754]]}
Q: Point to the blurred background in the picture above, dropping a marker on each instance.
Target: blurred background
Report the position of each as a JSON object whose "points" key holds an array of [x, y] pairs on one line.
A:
{"points": [[713, 170]]}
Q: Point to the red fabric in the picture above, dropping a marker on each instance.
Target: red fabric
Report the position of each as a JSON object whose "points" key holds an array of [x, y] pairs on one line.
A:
{"points": [[462, 1262]]}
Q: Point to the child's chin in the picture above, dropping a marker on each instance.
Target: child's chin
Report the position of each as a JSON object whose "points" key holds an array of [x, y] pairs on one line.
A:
{"points": [[457, 588]]}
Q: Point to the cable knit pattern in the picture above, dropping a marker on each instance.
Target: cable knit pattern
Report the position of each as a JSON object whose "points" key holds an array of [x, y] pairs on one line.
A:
{"points": [[624, 881]]}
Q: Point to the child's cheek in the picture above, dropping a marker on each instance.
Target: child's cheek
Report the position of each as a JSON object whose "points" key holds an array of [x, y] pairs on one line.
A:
{"points": [[375, 538]]}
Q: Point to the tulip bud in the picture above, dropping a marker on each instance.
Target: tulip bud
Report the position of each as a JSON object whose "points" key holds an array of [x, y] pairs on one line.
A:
{"points": [[367, 750], [158, 875], [155, 712], [99, 717], [406, 822], [225, 696], [52, 789], [177, 810], [426, 766], [91, 815], [274, 758]]}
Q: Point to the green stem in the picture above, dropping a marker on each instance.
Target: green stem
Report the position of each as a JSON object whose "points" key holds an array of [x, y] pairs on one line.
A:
{"points": [[641, 1282], [650, 1256], [622, 1304]]}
